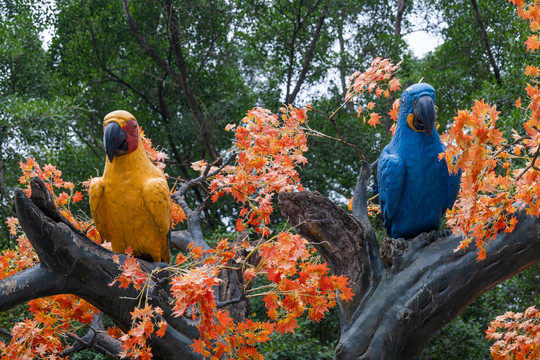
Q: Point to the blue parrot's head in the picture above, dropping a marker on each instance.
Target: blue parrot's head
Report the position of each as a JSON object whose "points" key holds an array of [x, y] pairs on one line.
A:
{"points": [[417, 107]]}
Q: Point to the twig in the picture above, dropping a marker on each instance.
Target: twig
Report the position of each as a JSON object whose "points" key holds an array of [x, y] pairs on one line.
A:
{"points": [[343, 141], [505, 147], [535, 156], [5, 333], [207, 173], [231, 302]]}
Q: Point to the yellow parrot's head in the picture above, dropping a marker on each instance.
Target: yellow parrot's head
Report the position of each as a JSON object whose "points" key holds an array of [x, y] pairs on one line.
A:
{"points": [[120, 134]]}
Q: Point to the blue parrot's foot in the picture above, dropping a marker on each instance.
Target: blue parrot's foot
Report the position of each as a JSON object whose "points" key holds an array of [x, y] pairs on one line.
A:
{"points": [[434, 235], [392, 248], [445, 233]]}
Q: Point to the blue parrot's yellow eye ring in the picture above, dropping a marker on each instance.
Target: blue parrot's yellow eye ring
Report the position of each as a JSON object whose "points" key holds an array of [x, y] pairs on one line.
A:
{"points": [[410, 119]]}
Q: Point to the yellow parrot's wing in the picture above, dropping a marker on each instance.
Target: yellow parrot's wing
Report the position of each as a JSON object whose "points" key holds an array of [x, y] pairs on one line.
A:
{"points": [[157, 200], [98, 207]]}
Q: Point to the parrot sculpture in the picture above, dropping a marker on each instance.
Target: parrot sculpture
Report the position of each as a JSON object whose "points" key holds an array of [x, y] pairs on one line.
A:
{"points": [[131, 202], [415, 188]]}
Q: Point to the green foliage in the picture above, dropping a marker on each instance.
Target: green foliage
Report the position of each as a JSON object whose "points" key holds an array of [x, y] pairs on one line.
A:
{"points": [[310, 341], [461, 339], [460, 69], [464, 338], [89, 355], [16, 314]]}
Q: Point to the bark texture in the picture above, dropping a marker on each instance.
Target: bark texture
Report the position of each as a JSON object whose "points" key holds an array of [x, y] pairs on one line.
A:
{"points": [[70, 263]]}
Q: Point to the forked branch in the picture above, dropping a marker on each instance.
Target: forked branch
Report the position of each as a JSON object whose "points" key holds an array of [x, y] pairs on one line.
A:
{"points": [[397, 308]]}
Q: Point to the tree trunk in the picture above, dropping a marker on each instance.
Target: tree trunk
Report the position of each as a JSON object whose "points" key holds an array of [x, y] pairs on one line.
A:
{"points": [[485, 41], [399, 17], [180, 76]]}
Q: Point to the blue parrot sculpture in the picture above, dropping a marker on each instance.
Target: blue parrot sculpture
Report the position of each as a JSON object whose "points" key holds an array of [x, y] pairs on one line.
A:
{"points": [[415, 188]]}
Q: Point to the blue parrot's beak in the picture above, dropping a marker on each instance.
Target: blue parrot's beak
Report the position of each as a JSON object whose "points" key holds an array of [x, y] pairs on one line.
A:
{"points": [[115, 140], [424, 114]]}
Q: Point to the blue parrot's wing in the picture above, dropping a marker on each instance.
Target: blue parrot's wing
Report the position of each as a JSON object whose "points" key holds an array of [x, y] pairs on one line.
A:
{"points": [[391, 179]]}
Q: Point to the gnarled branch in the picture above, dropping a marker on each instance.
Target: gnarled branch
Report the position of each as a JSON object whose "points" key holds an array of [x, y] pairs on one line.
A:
{"points": [[396, 309], [72, 263]]}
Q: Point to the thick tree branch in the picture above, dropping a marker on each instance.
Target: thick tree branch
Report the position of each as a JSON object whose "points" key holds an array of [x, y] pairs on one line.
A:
{"points": [[30, 284], [396, 309], [72, 263], [180, 240]]}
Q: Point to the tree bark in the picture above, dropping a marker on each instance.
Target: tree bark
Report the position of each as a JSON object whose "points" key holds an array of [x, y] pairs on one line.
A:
{"points": [[399, 17], [398, 306], [70, 263]]}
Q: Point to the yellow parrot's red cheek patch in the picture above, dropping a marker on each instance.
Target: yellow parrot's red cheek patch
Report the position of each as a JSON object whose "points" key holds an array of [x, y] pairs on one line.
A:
{"points": [[132, 132]]}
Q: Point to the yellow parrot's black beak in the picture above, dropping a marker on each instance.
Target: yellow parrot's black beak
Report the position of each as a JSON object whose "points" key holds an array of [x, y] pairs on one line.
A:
{"points": [[424, 114], [115, 140]]}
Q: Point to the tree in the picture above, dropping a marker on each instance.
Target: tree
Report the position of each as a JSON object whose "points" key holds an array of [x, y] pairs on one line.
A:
{"points": [[461, 69], [423, 306], [421, 271]]}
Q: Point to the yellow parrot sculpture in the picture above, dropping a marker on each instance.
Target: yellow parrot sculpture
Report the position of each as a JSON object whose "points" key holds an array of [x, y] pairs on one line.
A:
{"points": [[131, 202]]}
